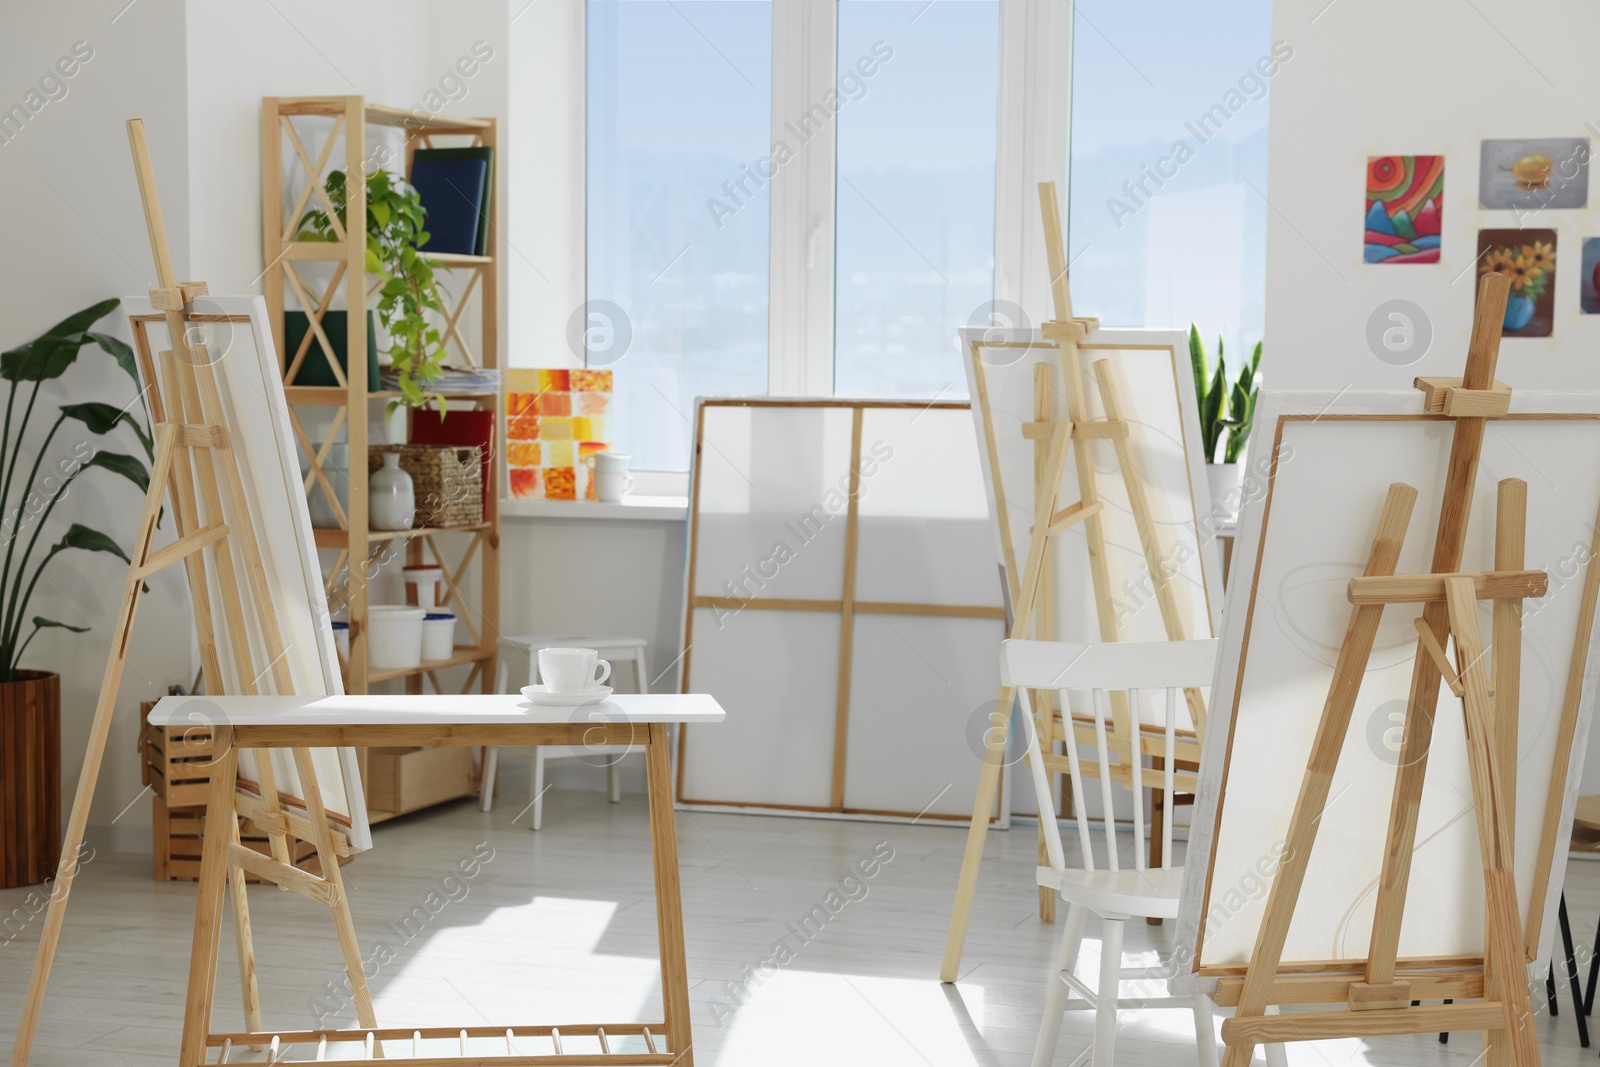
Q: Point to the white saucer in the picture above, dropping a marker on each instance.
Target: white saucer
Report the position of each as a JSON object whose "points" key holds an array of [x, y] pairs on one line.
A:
{"points": [[538, 694]]}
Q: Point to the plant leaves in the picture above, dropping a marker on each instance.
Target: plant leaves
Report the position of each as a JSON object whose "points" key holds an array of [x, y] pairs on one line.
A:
{"points": [[40, 623], [82, 537], [118, 350], [1197, 361], [1211, 411], [98, 417], [51, 353], [125, 465]]}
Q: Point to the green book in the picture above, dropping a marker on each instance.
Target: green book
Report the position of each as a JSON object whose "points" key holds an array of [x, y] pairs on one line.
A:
{"points": [[483, 152], [314, 370]]}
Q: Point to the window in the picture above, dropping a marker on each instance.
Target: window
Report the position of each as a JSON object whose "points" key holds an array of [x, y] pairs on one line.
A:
{"points": [[1169, 164], [679, 100], [916, 172], [784, 196]]}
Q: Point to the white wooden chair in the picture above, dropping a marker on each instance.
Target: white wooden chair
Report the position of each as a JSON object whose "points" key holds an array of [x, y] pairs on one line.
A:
{"points": [[1115, 894]]}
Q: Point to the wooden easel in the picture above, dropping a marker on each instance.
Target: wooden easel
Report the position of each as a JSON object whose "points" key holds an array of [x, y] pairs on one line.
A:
{"points": [[1033, 615], [1379, 1002], [195, 463]]}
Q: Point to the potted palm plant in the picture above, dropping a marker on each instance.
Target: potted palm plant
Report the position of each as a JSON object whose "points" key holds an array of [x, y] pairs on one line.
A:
{"points": [[1227, 410], [34, 479]]}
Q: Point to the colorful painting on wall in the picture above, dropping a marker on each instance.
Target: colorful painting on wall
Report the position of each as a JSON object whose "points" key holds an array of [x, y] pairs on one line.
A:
{"points": [[1528, 257], [1528, 175], [1404, 201], [1589, 280], [554, 419]]}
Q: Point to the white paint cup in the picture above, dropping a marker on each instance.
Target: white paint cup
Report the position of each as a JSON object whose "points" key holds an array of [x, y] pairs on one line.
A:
{"points": [[572, 670], [612, 481]]}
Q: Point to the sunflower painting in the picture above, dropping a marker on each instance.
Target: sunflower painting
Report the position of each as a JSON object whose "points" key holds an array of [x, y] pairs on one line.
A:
{"points": [[1403, 207], [1528, 258]]}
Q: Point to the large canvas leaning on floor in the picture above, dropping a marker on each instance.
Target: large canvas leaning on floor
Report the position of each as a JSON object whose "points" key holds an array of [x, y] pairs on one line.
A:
{"points": [[1331, 461], [244, 360], [842, 606], [1156, 388]]}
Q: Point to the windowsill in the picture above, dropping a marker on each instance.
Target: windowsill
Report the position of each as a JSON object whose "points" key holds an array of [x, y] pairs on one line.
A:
{"points": [[636, 508]]}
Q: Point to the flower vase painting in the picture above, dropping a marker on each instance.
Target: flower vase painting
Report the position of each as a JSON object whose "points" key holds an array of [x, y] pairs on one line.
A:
{"points": [[1403, 208], [555, 419], [1528, 258]]}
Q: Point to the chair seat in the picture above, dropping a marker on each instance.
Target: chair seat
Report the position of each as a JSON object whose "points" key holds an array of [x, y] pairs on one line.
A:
{"points": [[599, 642], [1151, 894]]}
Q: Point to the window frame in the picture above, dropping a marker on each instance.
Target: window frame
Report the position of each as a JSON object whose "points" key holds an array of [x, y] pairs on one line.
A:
{"points": [[1032, 142]]}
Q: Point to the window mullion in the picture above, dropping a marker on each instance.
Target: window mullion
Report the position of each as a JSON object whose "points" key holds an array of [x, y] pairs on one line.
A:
{"points": [[800, 317], [1035, 114]]}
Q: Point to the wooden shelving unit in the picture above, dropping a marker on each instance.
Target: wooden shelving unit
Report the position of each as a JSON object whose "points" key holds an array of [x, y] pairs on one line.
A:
{"points": [[353, 540]]}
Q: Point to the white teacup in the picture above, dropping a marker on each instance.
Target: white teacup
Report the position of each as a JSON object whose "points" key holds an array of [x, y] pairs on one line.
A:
{"points": [[572, 670]]}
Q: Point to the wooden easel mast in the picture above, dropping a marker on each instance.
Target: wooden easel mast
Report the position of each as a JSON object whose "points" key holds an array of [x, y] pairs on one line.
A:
{"points": [[195, 463], [1379, 1002], [1033, 613]]}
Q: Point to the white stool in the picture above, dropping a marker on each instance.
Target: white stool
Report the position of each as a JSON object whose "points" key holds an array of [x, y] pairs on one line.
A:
{"points": [[520, 650]]}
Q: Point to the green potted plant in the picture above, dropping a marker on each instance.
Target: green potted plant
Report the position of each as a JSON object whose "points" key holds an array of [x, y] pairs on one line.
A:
{"points": [[1227, 411], [395, 233], [30, 491]]}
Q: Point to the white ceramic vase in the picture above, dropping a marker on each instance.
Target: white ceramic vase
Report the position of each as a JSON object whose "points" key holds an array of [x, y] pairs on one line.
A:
{"points": [[391, 498], [1223, 480]]}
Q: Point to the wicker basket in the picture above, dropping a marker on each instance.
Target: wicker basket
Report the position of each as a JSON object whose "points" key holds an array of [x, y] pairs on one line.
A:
{"points": [[448, 480]]}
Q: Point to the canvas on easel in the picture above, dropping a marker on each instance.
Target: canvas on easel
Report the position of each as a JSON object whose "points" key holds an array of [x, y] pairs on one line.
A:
{"points": [[223, 472], [1101, 514], [1455, 700]]}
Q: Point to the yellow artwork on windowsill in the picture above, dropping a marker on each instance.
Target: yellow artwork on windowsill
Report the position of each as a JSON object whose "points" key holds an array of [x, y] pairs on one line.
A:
{"points": [[555, 418]]}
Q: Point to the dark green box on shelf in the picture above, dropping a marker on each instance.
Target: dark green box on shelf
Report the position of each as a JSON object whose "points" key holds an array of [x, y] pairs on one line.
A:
{"points": [[314, 369]]}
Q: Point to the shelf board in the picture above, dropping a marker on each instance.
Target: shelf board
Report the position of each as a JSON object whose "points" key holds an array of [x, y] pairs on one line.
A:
{"points": [[327, 537], [335, 251], [464, 654], [379, 115], [457, 259], [336, 395]]}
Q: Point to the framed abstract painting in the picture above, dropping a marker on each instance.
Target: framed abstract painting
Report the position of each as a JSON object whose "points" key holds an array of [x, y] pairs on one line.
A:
{"points": [[1404, 202]]}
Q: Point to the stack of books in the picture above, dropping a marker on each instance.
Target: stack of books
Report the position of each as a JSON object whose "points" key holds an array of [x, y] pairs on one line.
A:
{"points": [[454, 380]]}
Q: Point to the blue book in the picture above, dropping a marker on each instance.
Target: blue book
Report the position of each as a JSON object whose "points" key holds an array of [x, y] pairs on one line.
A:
{"points": [[453, 191]]}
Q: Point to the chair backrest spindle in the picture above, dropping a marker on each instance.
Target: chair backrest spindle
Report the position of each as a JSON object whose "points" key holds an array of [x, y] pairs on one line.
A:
{"points": [[1098, 670]]}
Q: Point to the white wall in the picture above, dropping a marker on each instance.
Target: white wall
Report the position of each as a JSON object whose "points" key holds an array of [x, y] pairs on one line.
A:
{"points": [[1362, 82], [196, 73], [73, 235], [1422, 77]]}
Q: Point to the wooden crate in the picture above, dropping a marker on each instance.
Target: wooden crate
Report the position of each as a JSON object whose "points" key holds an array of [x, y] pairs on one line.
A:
{"points": [[179, 833], [176, 766], [406, 779]]}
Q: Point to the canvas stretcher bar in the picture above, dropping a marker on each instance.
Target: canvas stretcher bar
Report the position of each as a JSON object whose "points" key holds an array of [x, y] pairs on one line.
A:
{"points": [[842, 540]]}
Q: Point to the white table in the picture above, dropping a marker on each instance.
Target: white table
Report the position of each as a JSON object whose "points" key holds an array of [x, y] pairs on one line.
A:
{"points": [[269, 722]]}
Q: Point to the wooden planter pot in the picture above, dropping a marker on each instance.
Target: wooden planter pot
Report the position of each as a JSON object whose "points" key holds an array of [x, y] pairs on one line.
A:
{"points": [[30, 778]]}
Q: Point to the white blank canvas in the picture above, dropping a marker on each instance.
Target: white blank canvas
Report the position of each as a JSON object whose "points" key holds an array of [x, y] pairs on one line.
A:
{"points": [[770, 523], [245, 363], [1300, 543], [1156, 390]]}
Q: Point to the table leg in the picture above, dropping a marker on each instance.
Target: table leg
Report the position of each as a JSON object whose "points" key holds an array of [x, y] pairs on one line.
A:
{"points": [[221, 821], [669, 901]]}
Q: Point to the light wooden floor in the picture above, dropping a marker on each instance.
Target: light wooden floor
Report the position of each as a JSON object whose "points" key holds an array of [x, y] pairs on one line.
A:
{"points": [[560, 925]]}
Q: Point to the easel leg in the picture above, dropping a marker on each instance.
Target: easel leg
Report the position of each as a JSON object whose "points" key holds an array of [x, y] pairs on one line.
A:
{"points": [[105, 707], [221, 827], [977, 833], [1503, 937], [1354, 652], [669, 899], [328, 860], [244, 944]]}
